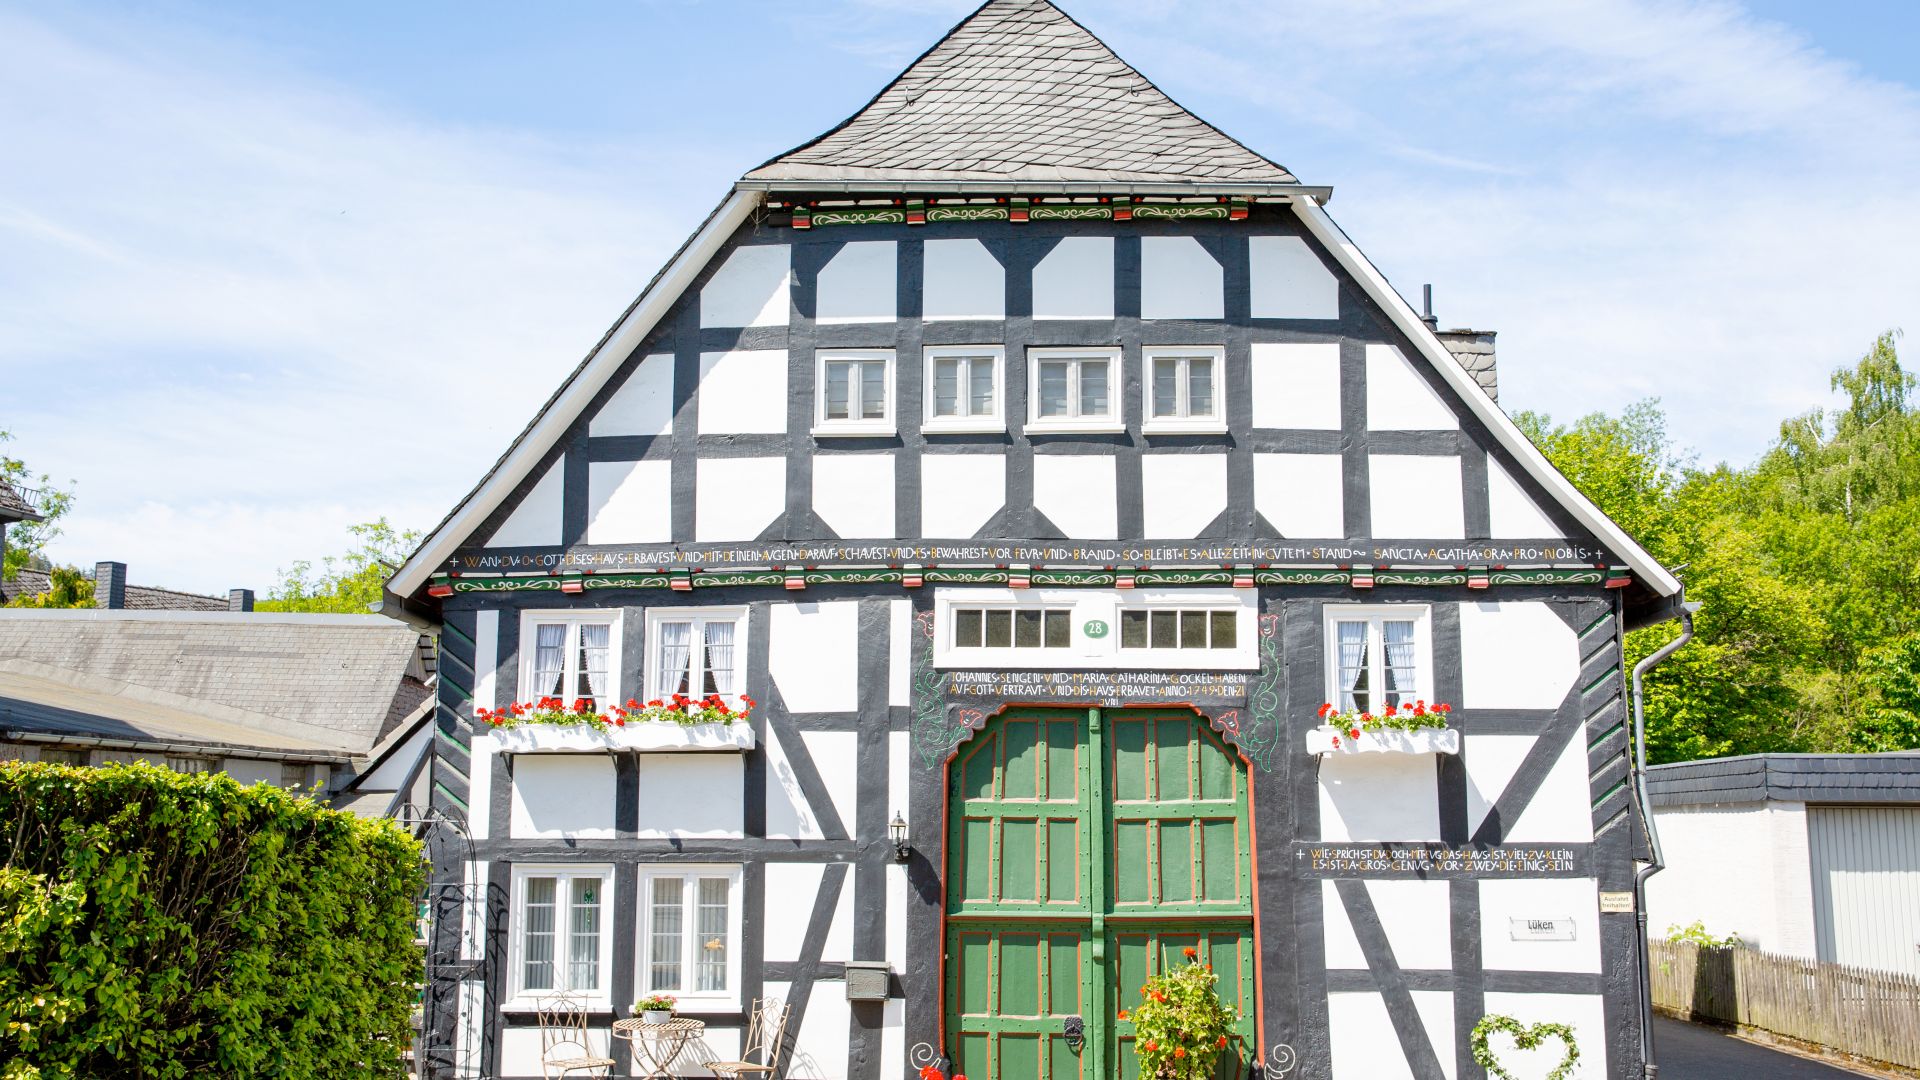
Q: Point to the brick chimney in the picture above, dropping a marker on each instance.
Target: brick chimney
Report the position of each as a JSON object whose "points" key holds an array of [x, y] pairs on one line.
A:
{"points": [[239, 599], [110, 585]]}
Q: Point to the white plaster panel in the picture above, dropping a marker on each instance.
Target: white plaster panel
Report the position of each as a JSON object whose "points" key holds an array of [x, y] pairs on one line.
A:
{"points": [[962, 280], [893, 1037], [1296, 385], [960, 493], [743, 391], [897, 916], [859, 284], [1078, 493], [897, 762], [1182, 493], [853, 494], [1301, 495], [1361, 1040], [1415, 496], [1584, 1013], [471, 1027], [629, 502], [1075, 280], [521, 1050], [899, 652], [791, 888], [737, 498], [480, 785], [1179, 279], [714, 1044], [1491, 761], [1417, 917], [562, 795], [1379, 797], [536, 521], [644, 403], [1501, 902], [814, 655], [1511, 513], [837, 947], [1336, 931], [1288, 281], [1516, 656], [750, 288], [1562, 810], [836, 757], [789, 816], [820, 1049], [691, 795], [486, 658], [1709, 845], [1398, 399]]}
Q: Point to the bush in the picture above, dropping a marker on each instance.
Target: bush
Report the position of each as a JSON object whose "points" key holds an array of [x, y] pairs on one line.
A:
{"points": [[162, 925]]}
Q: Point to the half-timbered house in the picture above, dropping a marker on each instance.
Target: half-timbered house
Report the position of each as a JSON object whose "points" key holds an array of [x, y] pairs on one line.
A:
{"points": [[1036, 461]]}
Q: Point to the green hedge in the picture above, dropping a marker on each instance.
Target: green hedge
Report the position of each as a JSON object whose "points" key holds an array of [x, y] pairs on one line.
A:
{"points": [[160, 925]]}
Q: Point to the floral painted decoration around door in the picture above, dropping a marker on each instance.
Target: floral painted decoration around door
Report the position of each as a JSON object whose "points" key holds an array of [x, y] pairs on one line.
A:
{"points": [[1181, 1027]]}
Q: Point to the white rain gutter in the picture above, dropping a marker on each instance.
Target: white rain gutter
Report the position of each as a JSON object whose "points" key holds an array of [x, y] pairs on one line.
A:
{"points": [[553, 422]]}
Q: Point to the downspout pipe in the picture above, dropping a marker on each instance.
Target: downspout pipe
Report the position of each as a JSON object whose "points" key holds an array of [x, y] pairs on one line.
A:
{"points": [[1655, 863]]}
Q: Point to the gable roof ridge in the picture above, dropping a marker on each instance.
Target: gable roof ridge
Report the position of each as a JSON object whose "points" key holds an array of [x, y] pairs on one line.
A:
{"points": [[983, 83]]}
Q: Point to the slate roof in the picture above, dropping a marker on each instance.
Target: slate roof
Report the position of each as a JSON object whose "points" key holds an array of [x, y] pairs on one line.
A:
{"points": [[1474, 350], [321, 682], [14, 507], [1814, 778], [31, 582], [1020, 92]]}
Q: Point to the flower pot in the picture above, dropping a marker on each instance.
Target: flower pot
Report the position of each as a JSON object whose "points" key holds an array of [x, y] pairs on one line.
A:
{"points": [[656, 1016], [1322, 741], [652, 737]]}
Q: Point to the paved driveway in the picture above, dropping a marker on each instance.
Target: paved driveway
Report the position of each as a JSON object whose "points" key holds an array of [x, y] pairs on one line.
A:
{"points": [[1691, 1052]]}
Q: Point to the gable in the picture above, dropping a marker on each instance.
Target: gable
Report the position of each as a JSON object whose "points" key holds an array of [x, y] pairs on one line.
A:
{"points": [[1342, 443]]}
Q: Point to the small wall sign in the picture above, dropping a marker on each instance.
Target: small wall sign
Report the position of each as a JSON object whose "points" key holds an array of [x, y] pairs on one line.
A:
{"points": [[1094, 628], [1613, 903], [1560, 929]]}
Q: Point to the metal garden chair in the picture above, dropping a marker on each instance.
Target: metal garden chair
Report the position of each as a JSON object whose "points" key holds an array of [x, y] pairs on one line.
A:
{"points": [[563, 1040], [760, 1054]]}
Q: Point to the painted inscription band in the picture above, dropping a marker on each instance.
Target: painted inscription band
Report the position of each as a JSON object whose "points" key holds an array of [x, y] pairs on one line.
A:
{"points": [[1441, 861]]}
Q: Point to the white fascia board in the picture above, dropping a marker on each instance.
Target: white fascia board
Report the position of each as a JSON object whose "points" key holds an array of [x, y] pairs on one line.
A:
{"points": [[639, 321], [1528, 455]]}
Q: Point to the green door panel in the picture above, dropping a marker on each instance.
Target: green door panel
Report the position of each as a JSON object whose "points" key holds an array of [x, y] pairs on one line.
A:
{"points": [[1086, 851]]}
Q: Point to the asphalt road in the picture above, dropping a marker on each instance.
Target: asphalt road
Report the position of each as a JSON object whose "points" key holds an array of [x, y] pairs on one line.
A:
{"points": [[1690, 1052]]}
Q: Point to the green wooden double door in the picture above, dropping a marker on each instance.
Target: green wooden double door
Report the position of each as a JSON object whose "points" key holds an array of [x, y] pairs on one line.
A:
{"points": [[1088, 849]]}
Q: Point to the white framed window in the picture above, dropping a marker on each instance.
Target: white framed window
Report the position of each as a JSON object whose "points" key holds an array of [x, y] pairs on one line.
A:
{"points": [[570, 656], [690, 934], [1378, 656], [963, 388], [697, 652], [1073, 390], [1090, 629], [853, 392], [1185, 389], [561, 941]]}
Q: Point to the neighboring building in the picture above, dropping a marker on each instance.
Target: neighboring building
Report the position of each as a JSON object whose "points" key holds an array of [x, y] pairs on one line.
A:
{"points": [[1039, 460], [112, 592], [336, 704], [1813, 855]]}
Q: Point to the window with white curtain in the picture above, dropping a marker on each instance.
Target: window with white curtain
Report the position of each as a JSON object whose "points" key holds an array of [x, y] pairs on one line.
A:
{"points": [[697, 653], [690, 931], [570, 657], [1378, 656], [561, 942]]}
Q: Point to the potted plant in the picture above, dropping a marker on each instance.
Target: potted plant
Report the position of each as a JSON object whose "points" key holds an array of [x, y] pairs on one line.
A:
{"points": [[655, 1008], [1412, 728], [679, 723], [1181, 1027]]}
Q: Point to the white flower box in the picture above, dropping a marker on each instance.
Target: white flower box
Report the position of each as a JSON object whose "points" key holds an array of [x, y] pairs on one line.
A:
{"points": [[651, 737], [1322, 741]]}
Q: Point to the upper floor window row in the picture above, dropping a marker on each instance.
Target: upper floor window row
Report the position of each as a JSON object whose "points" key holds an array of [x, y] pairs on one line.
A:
{"points": [[1068, 390]]}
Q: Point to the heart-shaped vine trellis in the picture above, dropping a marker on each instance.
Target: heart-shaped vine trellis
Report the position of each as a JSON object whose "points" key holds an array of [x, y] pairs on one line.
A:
{"points": [[1524, 1038]]}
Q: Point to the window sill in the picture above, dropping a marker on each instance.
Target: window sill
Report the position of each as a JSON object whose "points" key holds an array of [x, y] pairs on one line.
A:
{"points": [[1322, 741], [1101, 426], [854, 431], [963, 426], [1184, 427]]}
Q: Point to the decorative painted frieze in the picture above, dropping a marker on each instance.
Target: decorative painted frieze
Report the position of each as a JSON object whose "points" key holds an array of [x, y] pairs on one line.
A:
{"points": [[1010, 209]]}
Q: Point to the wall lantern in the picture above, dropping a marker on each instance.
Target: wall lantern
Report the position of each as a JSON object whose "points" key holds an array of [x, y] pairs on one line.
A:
{"points": [[897, 830]]}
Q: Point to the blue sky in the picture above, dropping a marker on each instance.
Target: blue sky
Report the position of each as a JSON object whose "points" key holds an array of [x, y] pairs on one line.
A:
{"points": [[269, 270]]}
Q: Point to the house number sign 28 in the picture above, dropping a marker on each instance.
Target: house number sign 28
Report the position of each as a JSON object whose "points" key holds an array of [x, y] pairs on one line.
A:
{"points": [[1094, 628]]}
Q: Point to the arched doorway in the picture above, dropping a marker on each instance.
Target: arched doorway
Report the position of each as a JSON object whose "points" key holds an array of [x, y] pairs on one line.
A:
{"points": [[1086, 850]]}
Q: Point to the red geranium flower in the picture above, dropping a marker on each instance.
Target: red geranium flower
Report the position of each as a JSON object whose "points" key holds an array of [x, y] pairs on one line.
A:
{"points": [[1355, 733], [1190, 952], [1179, 1051], [1222, 1042], [1327, 708]]}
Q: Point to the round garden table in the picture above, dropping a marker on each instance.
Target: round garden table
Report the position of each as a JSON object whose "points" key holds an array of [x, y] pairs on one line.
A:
{"points": [[656, 1045]]}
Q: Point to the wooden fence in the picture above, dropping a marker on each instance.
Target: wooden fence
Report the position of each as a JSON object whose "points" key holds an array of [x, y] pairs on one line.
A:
{"points": [[1870, 1014]]}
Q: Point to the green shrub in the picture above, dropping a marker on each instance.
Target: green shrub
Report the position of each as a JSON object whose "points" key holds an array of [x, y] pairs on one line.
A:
{"points": [[158, 925]]}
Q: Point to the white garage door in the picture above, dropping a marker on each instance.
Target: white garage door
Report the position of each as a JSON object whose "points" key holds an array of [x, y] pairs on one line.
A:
{"points": [[1866, 885]]}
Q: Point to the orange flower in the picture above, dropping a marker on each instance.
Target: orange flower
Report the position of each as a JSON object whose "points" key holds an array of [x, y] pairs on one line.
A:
{"points": [[1152, 1046], [1190, 952], [1179, 1051], [1222, 1042], [1123, 1014]]}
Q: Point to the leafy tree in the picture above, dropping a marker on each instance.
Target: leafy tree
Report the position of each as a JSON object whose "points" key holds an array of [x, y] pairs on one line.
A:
{"points": [[69, 588], [349, 583], [27, 540]]}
